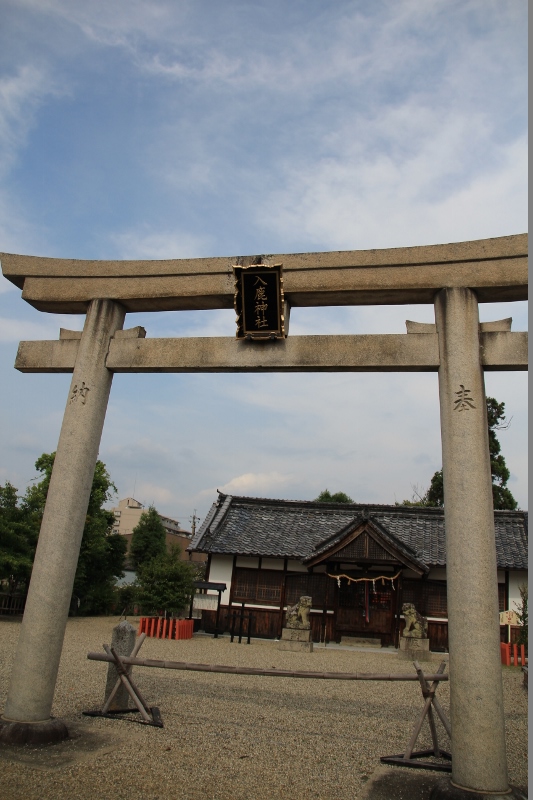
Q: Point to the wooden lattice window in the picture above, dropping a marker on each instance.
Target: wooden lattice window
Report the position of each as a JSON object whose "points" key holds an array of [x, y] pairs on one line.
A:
{"points": [[428, 597], [502, 597], [245, 585], [295, 587], [317, 586], [269, 584], [257, 586]]}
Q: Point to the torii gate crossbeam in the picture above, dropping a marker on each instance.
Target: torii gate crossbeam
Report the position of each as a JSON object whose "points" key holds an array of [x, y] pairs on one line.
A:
{"points": [[454, 277]]}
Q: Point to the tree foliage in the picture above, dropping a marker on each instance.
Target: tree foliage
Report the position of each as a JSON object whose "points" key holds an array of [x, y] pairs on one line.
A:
{"points": [[18, 539], [502, 496], [338, 497], [165, 583], [503, 499], [102, 553], [148, 540]]}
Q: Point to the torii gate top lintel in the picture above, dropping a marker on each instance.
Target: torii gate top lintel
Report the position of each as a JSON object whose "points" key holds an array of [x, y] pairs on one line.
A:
{"points": [[496, 269]]}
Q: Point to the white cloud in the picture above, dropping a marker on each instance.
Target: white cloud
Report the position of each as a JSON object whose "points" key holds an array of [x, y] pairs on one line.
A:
{"points": [[358, 198], [155, 245], [20, 96], [14, 330], [256, 483], [153, 494]]}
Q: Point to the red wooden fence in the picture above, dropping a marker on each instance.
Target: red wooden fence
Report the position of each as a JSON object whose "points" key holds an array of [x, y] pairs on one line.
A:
{"points": [[509, 659], [166, 628]]}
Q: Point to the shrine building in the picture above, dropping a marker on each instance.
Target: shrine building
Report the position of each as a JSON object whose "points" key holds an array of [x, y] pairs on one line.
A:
{"points": [[358, 562]]}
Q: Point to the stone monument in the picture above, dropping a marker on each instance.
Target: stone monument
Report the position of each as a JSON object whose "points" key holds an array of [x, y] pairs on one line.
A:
{"points": [[123, 641], [296, 635], [414, 642]]}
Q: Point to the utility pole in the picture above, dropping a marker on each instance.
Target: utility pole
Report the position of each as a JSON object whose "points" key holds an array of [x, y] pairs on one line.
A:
{"points": [[193, 520]]}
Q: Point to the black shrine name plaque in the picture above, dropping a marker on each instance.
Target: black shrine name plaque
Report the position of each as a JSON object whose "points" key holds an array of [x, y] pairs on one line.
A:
{"points": [[259, 302]]}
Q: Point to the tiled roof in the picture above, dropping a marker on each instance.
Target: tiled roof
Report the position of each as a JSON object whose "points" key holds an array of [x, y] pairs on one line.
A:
{"points": [[299, 529]]}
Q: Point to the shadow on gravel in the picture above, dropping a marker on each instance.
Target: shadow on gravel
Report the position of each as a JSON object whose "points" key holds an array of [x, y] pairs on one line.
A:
{"points": [[83, 745]]}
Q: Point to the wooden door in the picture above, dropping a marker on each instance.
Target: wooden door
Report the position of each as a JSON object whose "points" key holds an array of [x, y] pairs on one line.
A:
{"points": [[365, 610]]}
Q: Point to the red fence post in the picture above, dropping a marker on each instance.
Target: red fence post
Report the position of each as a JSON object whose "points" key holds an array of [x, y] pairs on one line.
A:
{"points": [[505, 651]]}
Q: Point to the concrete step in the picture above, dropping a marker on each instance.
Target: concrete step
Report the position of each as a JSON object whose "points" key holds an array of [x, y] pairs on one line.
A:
{"points": [[357, 641]]}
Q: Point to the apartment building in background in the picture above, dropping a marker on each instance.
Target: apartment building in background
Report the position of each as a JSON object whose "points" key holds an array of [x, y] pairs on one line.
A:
{"points": [[127, 515]]}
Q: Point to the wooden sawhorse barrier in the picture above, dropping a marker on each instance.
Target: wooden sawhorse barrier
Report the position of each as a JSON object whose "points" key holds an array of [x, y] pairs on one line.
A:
{"points": [[149, 714], [409, 758]]}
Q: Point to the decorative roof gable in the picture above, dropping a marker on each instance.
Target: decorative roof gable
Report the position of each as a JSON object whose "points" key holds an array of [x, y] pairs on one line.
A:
{"points": [[364, 540]]}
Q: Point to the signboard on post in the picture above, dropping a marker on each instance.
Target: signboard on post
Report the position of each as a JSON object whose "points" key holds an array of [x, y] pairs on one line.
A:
{"points": [[205, 602], [509, 618], [259, 302]]}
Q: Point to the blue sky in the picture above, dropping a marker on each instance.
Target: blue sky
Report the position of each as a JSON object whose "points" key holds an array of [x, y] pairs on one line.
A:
{"points": [[169, 129]]}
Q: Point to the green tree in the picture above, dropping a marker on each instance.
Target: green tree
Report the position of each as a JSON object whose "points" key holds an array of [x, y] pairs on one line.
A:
{"points": [[148, 540], [18, 539], [165, 583], [102, 553], [503, 499], [502, 496], [338, 497]]}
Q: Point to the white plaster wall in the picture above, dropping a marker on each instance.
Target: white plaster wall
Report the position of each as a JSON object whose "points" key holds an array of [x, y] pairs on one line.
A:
{"points": [[516, 579], [272, 563], [436, 574], [295, 566], [247, 561], [439, 574], [220, 572]]}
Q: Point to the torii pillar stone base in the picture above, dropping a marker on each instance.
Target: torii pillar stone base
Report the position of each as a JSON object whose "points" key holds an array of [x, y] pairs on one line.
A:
{"points": [[445, 790], [479, 762], [26, 716]]}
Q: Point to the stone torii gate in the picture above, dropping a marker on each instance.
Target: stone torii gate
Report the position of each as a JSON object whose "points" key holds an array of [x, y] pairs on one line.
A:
{"points": [[455, 277]]}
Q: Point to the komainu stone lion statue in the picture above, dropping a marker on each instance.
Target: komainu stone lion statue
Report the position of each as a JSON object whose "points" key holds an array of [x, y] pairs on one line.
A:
{"points": [[416, 626], [298, 615]]}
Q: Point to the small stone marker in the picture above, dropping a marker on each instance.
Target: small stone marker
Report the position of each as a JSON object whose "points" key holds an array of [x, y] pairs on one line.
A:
{"points": [[123, 641]]}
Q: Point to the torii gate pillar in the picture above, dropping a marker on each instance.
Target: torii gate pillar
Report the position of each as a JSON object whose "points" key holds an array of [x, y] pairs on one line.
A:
{"points": [[40, 642], [476, 695]]}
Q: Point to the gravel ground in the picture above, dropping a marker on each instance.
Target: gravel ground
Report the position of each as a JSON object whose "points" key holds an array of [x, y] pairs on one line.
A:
{"points": [[229, 737]]}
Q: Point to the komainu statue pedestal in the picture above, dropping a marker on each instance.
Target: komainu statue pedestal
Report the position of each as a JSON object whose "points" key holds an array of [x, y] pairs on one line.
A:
{"points": [[297, 640], [414, 649]]}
